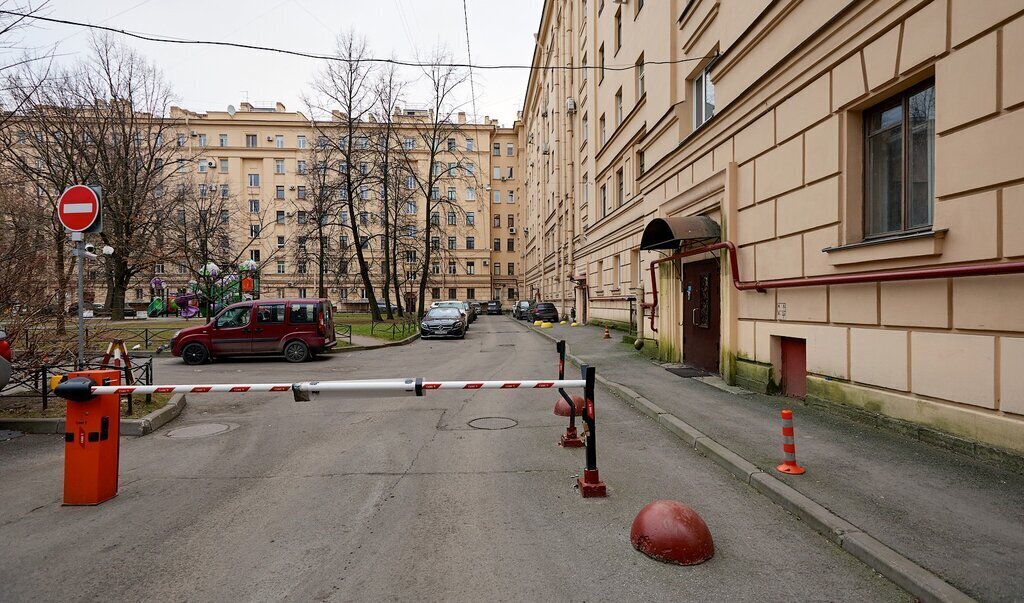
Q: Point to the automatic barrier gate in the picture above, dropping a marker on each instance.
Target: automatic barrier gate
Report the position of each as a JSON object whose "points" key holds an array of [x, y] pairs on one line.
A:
{"points": [[91, 446]]}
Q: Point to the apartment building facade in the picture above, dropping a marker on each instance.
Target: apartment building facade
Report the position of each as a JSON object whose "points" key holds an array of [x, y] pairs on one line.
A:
{"points": [[831, 188], [262, 157]]}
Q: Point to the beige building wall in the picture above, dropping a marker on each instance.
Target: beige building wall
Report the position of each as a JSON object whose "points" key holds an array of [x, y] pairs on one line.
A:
{"points": [[781, 166], [219, 141]]}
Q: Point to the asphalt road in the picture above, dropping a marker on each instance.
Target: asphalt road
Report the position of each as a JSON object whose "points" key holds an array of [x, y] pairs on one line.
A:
{"points": [[398, 499]]}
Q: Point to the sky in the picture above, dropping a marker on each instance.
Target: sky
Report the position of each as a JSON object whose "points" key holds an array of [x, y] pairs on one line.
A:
{"points": [[205, 78]]}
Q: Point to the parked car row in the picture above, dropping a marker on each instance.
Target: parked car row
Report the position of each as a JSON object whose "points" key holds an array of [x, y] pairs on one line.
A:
{"points": [[526, 310]]}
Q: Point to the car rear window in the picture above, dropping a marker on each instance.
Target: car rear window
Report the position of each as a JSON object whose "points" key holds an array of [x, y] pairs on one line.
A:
{"points": [[545, 306], [303, 313]]}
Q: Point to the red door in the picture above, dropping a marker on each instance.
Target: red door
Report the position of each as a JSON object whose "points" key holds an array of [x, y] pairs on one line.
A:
{"points": [[701, 315], [794, 367]]}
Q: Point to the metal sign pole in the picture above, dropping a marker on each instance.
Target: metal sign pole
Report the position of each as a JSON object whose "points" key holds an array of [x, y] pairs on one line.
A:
{"points": [[79, 239]]}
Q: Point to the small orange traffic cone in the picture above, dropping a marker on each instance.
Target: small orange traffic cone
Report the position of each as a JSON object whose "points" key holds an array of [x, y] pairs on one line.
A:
{"points": [[607, 335]]}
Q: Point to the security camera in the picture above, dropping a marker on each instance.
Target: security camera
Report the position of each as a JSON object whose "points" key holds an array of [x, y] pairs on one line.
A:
{"points": [[90, 248]]}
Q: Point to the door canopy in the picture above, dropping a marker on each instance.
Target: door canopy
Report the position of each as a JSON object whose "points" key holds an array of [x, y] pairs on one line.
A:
{"points": [[680, 231]]}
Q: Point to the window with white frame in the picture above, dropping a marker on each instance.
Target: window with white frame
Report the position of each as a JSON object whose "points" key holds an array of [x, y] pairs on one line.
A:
{"points": [[703, 97]]}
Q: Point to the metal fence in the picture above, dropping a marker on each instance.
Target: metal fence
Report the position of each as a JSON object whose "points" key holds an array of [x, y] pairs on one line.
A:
{"points": [[36, 380], [343, 332], [393, 330], [98, 337]]}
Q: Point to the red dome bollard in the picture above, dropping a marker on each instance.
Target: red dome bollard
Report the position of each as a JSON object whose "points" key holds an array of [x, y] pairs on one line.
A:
{"points": [[671, 532], [562, 407]]}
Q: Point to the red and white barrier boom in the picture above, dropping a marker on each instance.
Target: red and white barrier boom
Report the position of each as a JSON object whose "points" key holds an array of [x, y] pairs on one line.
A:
{"points": [[87, 388]]}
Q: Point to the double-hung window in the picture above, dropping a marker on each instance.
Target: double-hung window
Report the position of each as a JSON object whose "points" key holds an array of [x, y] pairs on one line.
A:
{"points": [[703, 97], [899, 170]]}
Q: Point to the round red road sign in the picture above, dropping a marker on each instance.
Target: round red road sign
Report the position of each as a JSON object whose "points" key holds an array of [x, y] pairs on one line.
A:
{"points": [[78, 208]]}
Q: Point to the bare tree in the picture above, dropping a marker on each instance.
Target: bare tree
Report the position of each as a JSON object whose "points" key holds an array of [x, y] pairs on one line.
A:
{"points": [[346, 92]]}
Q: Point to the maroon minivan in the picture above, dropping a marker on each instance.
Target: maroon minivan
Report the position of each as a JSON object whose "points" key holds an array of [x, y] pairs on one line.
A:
{"points": [[297, 328]]}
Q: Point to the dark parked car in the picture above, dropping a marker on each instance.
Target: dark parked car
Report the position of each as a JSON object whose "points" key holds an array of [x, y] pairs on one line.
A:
{"points": [[544, 311], [477, 307], [297, 328], [494, 306], [521, 310], [443, 321]]}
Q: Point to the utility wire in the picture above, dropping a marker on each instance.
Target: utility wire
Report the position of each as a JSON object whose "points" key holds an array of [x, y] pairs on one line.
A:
{"points": [[469, 57], [323, 57]]}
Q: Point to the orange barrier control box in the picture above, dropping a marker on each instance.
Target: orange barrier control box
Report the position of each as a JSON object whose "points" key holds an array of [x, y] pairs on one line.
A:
{"points": [[91, 442]]}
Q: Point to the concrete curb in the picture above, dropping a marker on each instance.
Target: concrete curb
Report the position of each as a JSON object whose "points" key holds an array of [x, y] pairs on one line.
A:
{"points": [[387, 344], [908, 575], [129, 427]]}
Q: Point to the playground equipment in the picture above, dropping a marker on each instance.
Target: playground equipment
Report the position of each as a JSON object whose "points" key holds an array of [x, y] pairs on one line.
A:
{"points": [[198, 298]]}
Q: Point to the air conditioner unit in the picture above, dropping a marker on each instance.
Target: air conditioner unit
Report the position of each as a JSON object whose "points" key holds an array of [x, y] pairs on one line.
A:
{"points": [[544, 112], [290, 214], [526, 230], [503, 178], [211, 164], [511, 230], [291, 188], [570, 105], [486, 263], [270, 139], [194, 133], [547, 149]]}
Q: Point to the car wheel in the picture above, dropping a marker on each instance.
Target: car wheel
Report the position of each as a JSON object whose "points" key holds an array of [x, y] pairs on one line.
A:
{"points": [[195, 353], [296, 351]]}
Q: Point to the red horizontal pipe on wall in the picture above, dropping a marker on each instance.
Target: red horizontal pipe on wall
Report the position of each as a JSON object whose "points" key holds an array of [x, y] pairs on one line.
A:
{"points": [[831, 279]]}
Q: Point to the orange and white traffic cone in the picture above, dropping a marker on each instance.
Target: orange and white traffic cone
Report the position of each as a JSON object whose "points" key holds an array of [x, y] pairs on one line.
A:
{"points": [[789, 464], [607, 335]]}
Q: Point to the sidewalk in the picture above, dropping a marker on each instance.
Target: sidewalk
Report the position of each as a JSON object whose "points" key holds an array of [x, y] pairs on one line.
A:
{"points": [[956, 516]]}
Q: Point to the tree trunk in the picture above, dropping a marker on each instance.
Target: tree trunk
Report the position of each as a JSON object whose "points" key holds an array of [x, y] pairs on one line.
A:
{"points": [[119, 286]]}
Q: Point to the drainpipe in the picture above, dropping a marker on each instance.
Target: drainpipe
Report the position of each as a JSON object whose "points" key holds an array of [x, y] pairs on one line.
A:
{"points": [[989, 269]]}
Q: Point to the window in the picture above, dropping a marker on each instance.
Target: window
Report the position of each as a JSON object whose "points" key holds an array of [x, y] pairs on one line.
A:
{"points": [[471, 293], [640, 163], [158, 268], [638, 72], [364, 218], [620, 189], [364, 192], [301, 217], [250, 141], [224, 190], [410, 207], [511, 197], [435, 193], [408, 144], [451, 145], [223, 166], [600, 63], [280, 242], [254, 206], [497, 244], [470, 169], [584, 69], [899, 143], [435, 268], [300, 267], [604, 201], [279, 166], [301, 142], [451, 270], [512, 293], [511, 269], [511, 221], [451, 219], [410, 255], [223, 140], [410, 182], [452, 243], [470, 242], [496, 149], [254, 180], [280, 266], [585, 128], [303, 313], [343, 242], [510, 245], [280, 216], [435, 218], [469, 144], [497, 173], [254, 255], [453, 293], [279, 141], [470, 218], [510, 149], [497, 220], [301, 192], [202, 166], [470, 194], [618, 108], [279, 192], [634, 267], [497, 196], [603, 131], [616, 271], [224, 217], [497, 267], [254, 231], [453, 170], [364, 242], [451, 193], [470, 267], [435, 243], [703, 98], [509, 173], [618, 29], [435, 292], [202, 140]]}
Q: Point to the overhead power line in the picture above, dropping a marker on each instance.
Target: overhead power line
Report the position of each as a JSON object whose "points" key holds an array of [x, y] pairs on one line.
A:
{"points": [[324, 57]]}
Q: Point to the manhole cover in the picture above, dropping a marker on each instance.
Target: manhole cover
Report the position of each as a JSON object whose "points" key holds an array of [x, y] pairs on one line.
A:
{"points": [[493, 423], [200, 430], [9, 434]]}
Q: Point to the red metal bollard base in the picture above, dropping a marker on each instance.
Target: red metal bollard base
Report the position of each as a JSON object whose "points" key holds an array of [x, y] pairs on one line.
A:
{"points": [[571, 439], [591, 485]]}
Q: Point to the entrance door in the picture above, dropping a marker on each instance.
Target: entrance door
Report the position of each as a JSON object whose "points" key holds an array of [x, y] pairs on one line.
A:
{"points": [[701, 314]]}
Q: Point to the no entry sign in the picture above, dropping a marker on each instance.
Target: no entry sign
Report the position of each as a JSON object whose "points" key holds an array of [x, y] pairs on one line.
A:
{"points": [[79, 208]]}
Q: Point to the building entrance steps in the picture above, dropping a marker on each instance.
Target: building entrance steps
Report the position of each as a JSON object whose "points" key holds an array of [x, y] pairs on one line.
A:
{"points": [[958, 517]]}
